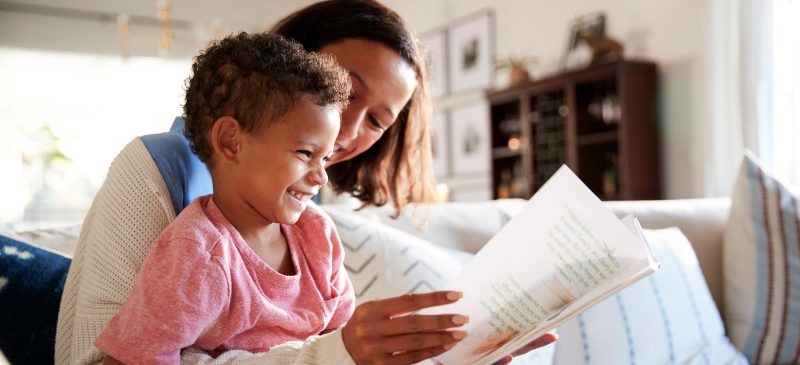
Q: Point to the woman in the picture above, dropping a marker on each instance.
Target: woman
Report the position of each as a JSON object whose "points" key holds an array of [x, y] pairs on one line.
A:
{"points": [[382, 155]]}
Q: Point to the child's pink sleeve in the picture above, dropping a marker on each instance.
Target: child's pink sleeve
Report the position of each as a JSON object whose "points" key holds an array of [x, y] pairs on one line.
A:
{"points": [[340, 283], [180, 291]]}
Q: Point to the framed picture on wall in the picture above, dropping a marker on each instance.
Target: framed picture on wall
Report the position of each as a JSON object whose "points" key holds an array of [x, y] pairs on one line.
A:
{"points": [[470, 147], [470, 43], [440, 145], [435, 43]]}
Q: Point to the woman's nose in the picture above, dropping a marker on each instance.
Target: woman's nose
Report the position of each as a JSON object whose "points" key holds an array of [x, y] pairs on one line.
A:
{"points": [[351, 122]]}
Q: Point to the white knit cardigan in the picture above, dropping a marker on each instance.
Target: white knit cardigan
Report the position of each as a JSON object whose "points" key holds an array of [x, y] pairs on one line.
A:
{"points": [[132, 207]]}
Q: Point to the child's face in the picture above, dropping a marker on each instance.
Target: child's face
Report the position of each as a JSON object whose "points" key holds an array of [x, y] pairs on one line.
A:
{"points": [[283, 166]]}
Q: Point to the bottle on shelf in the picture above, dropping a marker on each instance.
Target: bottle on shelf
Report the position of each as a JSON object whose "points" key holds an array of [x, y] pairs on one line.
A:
{"points": [[611, 177], [504, 187]]}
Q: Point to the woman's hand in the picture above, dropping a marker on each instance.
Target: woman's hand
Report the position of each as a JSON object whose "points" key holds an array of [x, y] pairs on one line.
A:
{"points": [[542, 341], [385, 331]]}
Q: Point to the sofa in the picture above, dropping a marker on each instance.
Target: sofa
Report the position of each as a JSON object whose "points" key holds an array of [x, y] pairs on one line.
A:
{"points": [[447, 235]]}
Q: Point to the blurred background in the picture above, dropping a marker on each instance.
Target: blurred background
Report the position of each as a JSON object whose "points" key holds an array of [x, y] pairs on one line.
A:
{"points": [[79, 79]]}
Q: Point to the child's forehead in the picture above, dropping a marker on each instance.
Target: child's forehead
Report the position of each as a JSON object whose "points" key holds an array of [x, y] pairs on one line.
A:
{"points": [[304, 121]]}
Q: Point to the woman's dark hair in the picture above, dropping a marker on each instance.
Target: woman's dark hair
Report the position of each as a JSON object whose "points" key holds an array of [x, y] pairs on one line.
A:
{"points": [[256, 78], [398, 167]]}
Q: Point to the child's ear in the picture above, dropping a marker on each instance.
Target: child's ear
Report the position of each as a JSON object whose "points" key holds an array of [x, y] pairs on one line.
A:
{"points": [[226, 137]]}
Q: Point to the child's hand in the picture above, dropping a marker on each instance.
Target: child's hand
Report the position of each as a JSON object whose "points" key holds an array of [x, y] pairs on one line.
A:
{"points": [[383, 331]]}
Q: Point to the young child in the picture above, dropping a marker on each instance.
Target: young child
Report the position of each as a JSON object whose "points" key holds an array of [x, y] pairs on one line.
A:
{"points": [[252, 265]]}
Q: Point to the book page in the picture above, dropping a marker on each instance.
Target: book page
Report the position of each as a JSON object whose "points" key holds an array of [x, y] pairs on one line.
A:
{"points": [[552, 258]]}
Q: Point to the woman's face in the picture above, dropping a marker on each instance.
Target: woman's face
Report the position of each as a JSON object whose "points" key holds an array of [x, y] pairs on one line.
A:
{"points": [[382, 85]]}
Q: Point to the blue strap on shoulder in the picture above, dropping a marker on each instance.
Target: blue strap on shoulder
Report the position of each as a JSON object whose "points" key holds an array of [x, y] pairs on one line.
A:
{"points": [[185, 175]]}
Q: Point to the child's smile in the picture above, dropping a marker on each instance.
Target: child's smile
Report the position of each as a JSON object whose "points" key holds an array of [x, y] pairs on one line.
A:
{"points": [[302, 198]]}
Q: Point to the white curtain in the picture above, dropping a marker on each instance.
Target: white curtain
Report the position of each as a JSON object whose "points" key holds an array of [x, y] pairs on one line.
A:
{"points": [[782, 130], [770, 90], [755, 77]]}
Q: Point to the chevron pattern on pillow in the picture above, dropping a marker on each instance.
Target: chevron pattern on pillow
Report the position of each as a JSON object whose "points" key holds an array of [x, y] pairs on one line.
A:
{"points": [[384, 262]]}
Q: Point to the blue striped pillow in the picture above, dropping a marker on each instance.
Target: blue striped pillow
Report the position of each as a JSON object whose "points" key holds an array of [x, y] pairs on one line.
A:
{"points": [[762, 267], [667, 318]]}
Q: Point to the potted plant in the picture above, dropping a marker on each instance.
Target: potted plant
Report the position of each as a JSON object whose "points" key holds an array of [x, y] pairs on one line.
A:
{"points": [[517, 66]]}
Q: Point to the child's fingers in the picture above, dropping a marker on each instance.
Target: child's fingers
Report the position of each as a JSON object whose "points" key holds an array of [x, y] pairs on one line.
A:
{"points": [[416, 323], [412, 302], [420, 341]]}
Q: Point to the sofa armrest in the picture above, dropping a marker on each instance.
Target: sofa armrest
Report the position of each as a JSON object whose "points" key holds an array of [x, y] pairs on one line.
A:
{"points": [[701, 220]]}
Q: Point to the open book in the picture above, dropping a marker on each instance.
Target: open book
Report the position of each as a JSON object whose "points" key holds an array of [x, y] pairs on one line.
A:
{"points": [[561, 254]]}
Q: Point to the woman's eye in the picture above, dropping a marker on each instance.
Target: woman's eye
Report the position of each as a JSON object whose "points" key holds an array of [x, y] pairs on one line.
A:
{"points": [[375, 123]]}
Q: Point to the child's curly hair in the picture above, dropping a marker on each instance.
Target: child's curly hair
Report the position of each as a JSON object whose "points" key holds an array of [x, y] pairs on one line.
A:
{"points": [[256, 78]]}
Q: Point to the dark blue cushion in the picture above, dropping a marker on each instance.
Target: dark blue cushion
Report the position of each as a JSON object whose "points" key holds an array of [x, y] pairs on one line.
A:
{"points": [[185, 175], [31, 283]]}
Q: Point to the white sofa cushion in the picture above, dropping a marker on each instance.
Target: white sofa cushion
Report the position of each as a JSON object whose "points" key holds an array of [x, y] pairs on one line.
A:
{"points": [[702, 221], [668, 317], [762, 267]]}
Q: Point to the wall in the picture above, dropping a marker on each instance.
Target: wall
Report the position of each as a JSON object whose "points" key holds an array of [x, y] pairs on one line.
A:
{"points": [[675, 34]]}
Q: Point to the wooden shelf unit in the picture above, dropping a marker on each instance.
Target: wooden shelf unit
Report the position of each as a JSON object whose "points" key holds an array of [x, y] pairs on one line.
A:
{"points": [[601, 121]]}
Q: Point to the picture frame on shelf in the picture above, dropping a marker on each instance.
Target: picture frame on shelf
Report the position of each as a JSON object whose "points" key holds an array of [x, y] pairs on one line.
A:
{"points": [[470, 52], [576, 53], [470, 144], [435, 43], [440, 145]]}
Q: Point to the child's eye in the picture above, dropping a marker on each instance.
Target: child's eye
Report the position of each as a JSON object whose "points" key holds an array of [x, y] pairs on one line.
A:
{"points": [[306, 154]]}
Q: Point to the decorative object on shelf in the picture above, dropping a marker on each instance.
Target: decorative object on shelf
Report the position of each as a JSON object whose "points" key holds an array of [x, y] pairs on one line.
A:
{"points": [[503, 190], [123, 26], [605, 108], [510, 129], [470, 43], [611, 176], [517, 67], [164, 16], [440, 145], [588, 32], [435, 43], [470, 149]]}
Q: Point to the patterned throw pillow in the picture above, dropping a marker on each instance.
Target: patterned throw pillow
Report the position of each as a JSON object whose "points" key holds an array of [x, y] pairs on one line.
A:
{"points": [[384, 262], [761, 266], [668, 317], [31, 282]]}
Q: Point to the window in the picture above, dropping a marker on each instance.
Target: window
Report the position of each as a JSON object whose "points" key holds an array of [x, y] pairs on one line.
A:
{"points": [[63, 118]]}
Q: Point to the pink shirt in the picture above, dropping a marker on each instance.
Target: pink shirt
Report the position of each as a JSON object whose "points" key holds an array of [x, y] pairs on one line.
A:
{"points": [[201, 285]]}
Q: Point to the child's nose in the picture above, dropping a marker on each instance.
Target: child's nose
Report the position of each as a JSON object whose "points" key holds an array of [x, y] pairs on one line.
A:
{"points": [[317, 175]]}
